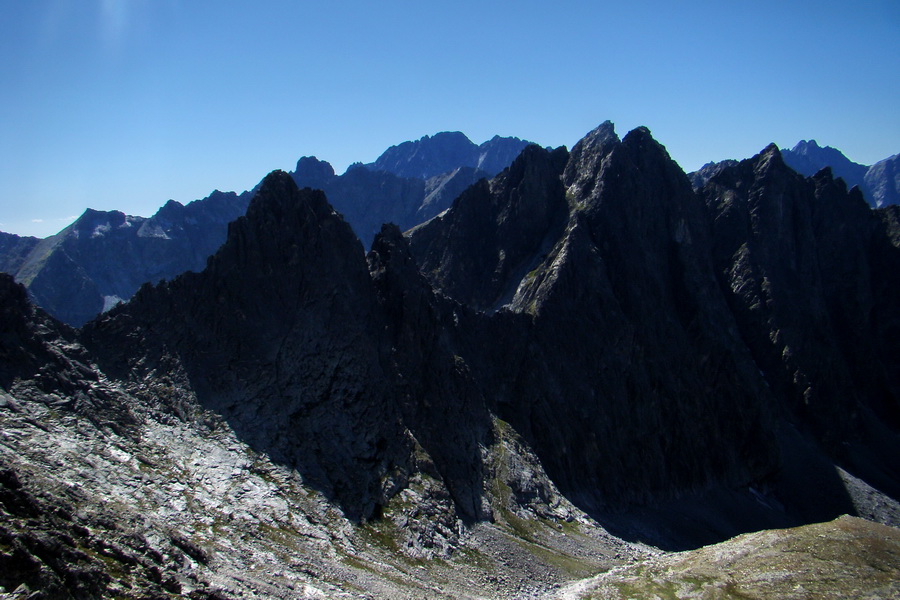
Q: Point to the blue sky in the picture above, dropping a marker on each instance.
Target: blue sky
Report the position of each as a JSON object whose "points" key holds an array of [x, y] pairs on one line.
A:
{"points": [[123, 104]]}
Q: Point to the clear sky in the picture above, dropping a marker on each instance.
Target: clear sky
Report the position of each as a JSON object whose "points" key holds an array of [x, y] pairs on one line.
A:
{"points": [[123, 104]]}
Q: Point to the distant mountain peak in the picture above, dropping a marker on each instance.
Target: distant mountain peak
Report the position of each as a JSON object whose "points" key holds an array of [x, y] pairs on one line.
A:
{"points": [[456, 136], [807, 157], [313, 172], [603, 133], [445, 151], [804, 146]]}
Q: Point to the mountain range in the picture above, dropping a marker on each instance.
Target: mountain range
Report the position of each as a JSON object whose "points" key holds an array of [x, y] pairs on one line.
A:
{"points": [[583, 363], [104, 257], [879, 183]]}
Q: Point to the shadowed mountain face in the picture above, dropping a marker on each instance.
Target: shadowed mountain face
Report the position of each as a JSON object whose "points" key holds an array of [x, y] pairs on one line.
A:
{"points": [[623, 331], [14, 249], [643, 339], [368, 199], [498, 226], [104, 257], [409, 183], [880, 183], [280, 336], [808, 158], [809, 272], [583, 332]]}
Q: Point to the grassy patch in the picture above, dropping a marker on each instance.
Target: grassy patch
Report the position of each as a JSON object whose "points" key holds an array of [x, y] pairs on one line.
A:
{"points": [[573, 566], [383, 534], [474, 558]]}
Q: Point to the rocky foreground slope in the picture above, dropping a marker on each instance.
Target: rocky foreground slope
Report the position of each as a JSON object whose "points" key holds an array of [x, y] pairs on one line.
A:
{"points": [[846, 558], [580, 347]]}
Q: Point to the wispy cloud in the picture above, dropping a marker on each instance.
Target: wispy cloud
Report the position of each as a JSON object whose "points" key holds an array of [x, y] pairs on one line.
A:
{"points": [[37, 220]]}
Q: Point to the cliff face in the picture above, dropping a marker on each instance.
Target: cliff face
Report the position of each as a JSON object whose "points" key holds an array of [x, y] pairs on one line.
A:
{"points": [[618, 331], [582, 337], [279, 335], [809, 272], [486, 243]]}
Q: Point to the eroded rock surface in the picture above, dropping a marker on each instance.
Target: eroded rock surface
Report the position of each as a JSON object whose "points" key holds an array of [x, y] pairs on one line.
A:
{"points": [[583, 340]]}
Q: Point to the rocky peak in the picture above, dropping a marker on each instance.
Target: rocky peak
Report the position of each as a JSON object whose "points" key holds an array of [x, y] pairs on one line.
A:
{"points": [[280, 336], [443, 152], [312, 172], [105, 256], [586, 158], [498, 153], [428, 156], [96, 223], [652, 160], [795, 255], [390, 252], [480, 249], [807, 157], [804, 147], [617, 269], [14, 251], [708, 171]]}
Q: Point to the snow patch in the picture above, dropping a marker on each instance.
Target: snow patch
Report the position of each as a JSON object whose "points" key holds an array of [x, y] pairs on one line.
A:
{"points": [[109, 302], [152, 230], [101, 230]]}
